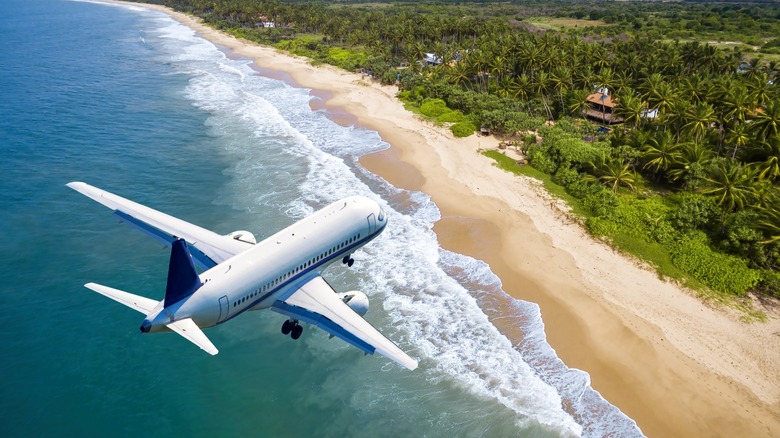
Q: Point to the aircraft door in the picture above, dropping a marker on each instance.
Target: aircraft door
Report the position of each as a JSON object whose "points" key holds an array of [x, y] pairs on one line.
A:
{"points": [[224, 308], [371, 223]]}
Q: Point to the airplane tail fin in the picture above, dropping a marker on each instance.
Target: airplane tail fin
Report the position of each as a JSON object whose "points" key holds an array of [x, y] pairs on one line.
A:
{"points": [[183, 279]]}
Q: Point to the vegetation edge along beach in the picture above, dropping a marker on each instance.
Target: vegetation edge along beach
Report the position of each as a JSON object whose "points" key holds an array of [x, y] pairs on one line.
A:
{"points": [[756, 377], [687, 181]]}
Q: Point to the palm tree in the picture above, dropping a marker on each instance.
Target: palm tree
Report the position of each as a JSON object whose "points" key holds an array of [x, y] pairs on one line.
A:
{"points": [[630, 108], [661, 152], [459, 73], [542, 85], [766, 122], [769, 222], [578, 101], [738, 137], [698, 119], [691, 164], [769, 169], [661, 97], [759, 88], [731, 183], [560, 79], [612, 173]]}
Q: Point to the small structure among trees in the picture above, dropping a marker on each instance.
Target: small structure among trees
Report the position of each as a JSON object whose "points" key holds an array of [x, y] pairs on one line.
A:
{"points": [[601, 107]]}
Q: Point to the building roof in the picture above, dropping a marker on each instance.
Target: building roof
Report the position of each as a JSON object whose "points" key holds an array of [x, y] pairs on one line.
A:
{"points": [[602, 99]]}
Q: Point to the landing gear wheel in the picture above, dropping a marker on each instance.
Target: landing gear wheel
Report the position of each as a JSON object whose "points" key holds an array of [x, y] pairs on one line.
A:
{"points": [[350, 262], [296, 332], [345, 260], [287, 327]]}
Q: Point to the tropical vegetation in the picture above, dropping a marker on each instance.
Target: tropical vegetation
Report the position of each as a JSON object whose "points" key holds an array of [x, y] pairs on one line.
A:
{"points": [[692, 189]]}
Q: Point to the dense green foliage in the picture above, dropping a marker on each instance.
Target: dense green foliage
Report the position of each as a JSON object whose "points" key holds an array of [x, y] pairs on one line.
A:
{"points": [[693, 190]]}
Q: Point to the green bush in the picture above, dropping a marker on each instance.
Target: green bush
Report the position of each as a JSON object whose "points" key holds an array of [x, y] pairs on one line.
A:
{"points": [[451, 117], [601, 202], [599, 227], [463, 129], [770, 283], [721, 272], [389, 77], [539, 159], [433, 107], [349, 60], [566, 176]]}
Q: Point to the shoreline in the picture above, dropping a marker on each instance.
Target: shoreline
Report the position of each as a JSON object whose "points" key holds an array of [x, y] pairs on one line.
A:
{"points": [[672, 363]]}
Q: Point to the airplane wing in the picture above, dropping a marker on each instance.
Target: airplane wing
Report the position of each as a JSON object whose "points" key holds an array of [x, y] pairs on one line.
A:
{"points": [[317, 303], [207, 247], [193, 333]]}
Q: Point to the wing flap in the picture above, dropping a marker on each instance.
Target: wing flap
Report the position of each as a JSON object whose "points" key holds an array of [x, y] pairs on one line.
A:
{"points": [[317, 303], [139, 303], [190, 331]]}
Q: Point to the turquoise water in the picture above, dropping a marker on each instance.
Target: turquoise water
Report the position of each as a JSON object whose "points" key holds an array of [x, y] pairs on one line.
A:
{"points": [[132, 102]]}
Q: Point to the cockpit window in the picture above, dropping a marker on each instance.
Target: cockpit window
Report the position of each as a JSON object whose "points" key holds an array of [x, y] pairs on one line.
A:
{"points": [[381, 216]]}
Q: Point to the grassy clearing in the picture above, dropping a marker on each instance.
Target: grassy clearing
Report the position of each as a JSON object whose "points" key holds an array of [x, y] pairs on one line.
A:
{"points": [[552, 23]]}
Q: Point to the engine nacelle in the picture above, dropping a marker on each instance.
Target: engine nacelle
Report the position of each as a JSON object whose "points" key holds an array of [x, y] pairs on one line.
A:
{"points": [[356, 300], [243, 236]]}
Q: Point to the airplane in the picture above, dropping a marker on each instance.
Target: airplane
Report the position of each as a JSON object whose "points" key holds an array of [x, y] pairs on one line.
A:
{"points": [[281, 273]]}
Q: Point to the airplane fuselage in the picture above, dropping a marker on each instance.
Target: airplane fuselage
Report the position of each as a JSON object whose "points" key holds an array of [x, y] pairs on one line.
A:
{"points": [[276, 267]]}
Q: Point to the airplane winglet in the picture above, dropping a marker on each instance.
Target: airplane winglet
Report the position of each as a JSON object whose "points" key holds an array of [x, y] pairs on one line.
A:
{"points": [[189, 330]]}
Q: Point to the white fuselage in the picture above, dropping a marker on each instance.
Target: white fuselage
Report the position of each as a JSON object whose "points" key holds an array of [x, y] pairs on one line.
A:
{"points": [[277, 266]]}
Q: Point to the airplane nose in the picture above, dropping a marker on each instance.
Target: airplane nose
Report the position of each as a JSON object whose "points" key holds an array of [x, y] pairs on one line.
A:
{"points": [[146, 326]]}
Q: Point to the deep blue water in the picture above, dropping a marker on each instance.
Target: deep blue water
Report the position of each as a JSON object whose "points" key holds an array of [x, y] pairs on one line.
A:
{"points": [[132, 102]]}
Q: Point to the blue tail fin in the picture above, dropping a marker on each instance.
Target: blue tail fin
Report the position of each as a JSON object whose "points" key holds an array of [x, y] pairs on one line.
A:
{"points": [[183, 280]]}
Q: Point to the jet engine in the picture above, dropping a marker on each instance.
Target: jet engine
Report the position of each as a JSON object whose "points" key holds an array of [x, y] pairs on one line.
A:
{"points": [[243, 236], [356, 300]]}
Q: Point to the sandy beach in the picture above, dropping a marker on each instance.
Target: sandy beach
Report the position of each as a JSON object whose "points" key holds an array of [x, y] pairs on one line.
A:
{"points": [[674, 364]]}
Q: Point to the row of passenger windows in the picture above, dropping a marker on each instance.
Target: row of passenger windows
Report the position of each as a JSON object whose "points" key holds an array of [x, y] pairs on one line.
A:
{"points": [[270, 285]]}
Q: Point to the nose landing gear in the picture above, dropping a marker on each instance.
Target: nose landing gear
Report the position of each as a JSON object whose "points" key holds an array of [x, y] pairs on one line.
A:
{"points": [[292, 328]]}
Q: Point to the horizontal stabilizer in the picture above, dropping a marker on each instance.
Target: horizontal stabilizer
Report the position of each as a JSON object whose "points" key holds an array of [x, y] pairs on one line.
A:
{"points": [[139, 303], [193, 333]]}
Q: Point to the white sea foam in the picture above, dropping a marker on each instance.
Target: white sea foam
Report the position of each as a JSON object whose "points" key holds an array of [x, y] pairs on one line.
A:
{"points": [[420, 287]]}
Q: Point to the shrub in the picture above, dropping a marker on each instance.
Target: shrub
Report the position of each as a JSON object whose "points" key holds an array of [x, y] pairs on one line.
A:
{"points": [[347, 59], [770, 283], [451, 117], [463, 129], [721, 272], [601, 202], [389, 77], [566, 176], [539, 159], [433, 107]]}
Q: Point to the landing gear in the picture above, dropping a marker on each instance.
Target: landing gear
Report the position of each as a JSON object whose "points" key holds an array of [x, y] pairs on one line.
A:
{"points": [[287, 327], [296, 332], [292, 328], [347, 260]]}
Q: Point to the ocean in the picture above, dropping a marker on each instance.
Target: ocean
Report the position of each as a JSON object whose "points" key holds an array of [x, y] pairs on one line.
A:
{"points": [[129, 100]]}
